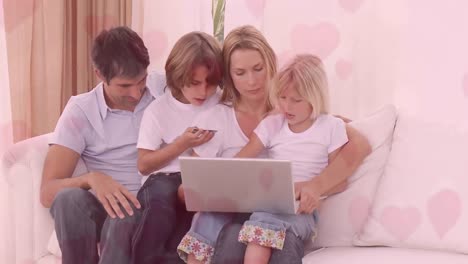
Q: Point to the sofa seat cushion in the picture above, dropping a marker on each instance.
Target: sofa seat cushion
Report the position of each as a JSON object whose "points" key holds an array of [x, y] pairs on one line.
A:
{"points": [[49, 259], [381, 255]]}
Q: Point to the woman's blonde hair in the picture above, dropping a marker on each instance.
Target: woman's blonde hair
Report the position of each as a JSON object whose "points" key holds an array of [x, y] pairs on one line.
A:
{"points": [[305, 73], [191, 50], [246, 37]]}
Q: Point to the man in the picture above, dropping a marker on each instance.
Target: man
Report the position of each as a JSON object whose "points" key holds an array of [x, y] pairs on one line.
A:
{"points": [[101, 127]]}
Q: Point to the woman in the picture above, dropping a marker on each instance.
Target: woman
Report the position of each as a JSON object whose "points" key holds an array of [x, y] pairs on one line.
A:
{"points": [[250, 71]]}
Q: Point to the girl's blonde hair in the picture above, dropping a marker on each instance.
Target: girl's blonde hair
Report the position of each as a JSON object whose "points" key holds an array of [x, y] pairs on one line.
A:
{"points": [[305, 73], [246, 37], [191, 50]]}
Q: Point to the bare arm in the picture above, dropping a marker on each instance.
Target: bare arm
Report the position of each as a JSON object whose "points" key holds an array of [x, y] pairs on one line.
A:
{"points": [[57, 175], [341, 186], [344, 164], [152, 160], [252, 149], [59, 165], [333, 178]]}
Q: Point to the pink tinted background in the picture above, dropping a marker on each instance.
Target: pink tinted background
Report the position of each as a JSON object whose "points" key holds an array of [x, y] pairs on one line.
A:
{"points": [[409, 53]]}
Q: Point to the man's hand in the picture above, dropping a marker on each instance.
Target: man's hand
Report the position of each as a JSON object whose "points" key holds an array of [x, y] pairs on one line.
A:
{"points": [[111, 193], [308, 195], [193, 137]]}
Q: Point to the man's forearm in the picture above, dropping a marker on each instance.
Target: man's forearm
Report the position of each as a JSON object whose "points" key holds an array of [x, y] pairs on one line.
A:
{"points": [[50, 189]]}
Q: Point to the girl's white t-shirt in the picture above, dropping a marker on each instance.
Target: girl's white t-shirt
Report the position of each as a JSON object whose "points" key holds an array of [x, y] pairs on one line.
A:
{"points": [[307, 150], [165, 119]]}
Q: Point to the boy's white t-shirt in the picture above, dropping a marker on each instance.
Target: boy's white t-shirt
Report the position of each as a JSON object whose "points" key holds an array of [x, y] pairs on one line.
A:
{"points": [[307, 150], [229, 138], [165, 119]]}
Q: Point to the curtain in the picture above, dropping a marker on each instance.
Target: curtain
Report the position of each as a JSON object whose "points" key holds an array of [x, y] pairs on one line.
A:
{"points": [[6, 140], [6, 126], [48, 48], [161, 23]]}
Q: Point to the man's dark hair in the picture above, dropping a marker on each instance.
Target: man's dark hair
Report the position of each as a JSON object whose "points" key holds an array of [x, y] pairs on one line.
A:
{"points": [[119, 52]]}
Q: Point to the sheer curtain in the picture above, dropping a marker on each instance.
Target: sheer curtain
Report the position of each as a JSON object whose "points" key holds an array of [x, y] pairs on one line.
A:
{"points": [[49, 45], [6, 128], [6, 138], [161, 23]]}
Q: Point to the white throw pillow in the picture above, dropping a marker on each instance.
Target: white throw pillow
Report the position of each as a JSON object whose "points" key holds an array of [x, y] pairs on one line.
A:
{"points": [[422, 198], [342, 215]]}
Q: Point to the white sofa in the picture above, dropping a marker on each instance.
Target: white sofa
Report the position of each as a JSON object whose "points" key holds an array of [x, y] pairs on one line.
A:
{"points": [[353, 227]]}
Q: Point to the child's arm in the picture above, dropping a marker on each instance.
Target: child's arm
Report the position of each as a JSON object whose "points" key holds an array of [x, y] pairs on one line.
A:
{"points": [[152, 160], [252, 149]]}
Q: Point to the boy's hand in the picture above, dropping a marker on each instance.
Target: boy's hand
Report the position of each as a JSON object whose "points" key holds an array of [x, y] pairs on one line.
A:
{"points": [[194, 136]]}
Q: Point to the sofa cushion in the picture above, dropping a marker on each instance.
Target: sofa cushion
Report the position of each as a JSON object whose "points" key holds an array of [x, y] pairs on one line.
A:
{"points": [[49, 259], [422, 200], [381, 255], [342, 215]]}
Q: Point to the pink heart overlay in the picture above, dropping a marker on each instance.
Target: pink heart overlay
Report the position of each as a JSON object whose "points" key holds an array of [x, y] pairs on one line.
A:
{"points": [[343, 69], [465, 84], [400, 222], [255, 7], [221, 203], [224, 204], [195, 199], [12, 132], [101, 22], [284, 57], [350, 5], [444, 210], [17, 11], [157, 43], [358, 212], [76, 125], [266, 179], [320, 39]]}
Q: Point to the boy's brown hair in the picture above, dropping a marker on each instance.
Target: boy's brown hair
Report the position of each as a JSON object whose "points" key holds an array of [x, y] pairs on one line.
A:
{"points": [[192, 50]]}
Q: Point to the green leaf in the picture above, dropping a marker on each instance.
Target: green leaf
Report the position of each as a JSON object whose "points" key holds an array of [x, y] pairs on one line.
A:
{"points": [[217, 12]]}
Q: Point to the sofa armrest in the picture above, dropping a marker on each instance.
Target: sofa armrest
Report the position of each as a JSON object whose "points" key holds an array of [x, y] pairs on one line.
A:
{"points": [[28, 224]]}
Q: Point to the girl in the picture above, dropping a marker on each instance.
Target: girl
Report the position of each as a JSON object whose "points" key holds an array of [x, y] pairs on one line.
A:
{"points": [[193, 72], [250, 69], [303, 133]]}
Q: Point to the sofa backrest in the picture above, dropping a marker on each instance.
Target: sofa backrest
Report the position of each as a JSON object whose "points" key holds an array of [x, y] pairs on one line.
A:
{"points": [[28, 224]]}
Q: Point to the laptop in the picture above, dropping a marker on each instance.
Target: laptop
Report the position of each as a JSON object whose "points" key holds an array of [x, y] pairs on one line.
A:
{"points": [[238, 185]]}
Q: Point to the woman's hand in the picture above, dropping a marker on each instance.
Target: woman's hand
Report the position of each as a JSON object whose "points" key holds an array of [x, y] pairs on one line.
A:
{"points": [[308, 195]]}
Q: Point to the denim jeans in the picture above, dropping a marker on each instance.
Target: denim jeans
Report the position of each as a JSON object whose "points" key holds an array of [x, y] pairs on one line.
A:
{"points": [[164, 221], [151, 235], [81, 222], [230, 251]]}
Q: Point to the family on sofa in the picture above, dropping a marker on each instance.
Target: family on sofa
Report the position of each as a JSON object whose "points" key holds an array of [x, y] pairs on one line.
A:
{"points": [[124, 129]]}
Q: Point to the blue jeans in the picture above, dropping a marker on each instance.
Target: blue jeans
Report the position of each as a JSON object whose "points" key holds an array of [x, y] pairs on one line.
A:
{"points": [[164, 221], [149, 236], [81, 222], [230, 251]]}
